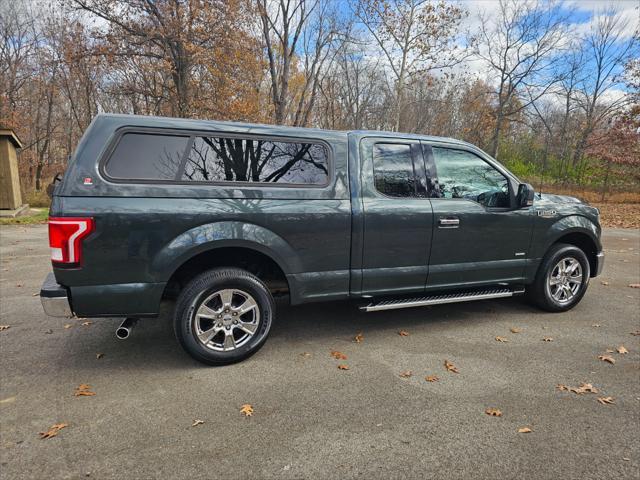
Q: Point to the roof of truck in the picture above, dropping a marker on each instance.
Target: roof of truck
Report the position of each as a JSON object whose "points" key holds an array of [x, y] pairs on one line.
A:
{"points": [[156, 121]]}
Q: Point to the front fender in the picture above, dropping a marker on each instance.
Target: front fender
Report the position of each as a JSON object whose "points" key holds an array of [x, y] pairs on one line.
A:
{"points": [[564, 226], [225, 234]]}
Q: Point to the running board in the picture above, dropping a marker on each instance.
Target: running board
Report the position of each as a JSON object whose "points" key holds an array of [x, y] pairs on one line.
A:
{"points": [[440, 299]]}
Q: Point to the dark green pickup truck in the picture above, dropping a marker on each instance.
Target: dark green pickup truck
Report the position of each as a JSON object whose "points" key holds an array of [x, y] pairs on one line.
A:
{"points": [[227, 216]]}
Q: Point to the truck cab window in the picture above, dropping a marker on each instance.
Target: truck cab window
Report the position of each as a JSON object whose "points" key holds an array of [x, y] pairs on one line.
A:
{"points": [[393, 170], [462, 174]]}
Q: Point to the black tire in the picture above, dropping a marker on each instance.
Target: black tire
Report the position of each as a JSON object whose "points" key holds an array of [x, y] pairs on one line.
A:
{"points": [[207, 286], [540, 292]]}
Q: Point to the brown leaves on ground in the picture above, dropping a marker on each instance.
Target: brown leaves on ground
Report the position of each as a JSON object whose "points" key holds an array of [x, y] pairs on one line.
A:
{"points": [[305, 354], [338, 355], [493, 412], [4, 327], [583, 388], [406, 374], [619, 215], [53, 431], [621, 350], [197, 422], [86, 324], [606, 400], [342, 366], [359, 338], [403, 333], [246, 410], [547, 339], [524, 430], [605, 283], [84, 390], [607, 358], [431, 378], [68, 326], [635, 334], [450, 367], [501, 339], [99, 355], [516, 330], [634, 285]]}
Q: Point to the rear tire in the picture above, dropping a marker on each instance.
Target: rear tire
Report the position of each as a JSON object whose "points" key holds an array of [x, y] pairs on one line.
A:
{"points": [[223, 316], [562, 279]]}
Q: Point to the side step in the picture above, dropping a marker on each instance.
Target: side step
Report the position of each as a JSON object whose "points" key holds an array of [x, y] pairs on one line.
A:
{"points": [[440, 299]]}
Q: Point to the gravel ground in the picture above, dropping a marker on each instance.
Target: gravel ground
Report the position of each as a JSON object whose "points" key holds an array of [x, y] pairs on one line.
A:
{"points": [[311, 419]]}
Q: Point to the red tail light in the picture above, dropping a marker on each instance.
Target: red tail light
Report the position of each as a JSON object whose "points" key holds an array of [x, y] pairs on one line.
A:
{"points": [[65, 238]]}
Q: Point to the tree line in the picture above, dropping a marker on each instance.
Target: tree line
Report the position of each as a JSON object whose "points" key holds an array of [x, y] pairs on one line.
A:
{"points": [[554, 102]]}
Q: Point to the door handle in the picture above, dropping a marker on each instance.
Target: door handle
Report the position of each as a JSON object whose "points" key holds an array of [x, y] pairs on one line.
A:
{"points": [[448, 222]]}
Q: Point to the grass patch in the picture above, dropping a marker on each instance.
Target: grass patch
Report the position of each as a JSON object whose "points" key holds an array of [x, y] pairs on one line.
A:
{"points": [[35, 216]]}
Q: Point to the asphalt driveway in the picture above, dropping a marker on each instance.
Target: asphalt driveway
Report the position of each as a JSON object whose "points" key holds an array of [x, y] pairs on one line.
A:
{"points": [[311, 419]]}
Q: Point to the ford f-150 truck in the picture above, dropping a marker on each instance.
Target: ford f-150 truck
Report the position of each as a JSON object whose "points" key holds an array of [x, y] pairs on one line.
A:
{"points": [[227, 216]]}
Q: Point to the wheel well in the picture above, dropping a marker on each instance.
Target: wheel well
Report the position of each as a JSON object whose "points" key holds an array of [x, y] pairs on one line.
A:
{"points": [[584, 243], [261, 265]]}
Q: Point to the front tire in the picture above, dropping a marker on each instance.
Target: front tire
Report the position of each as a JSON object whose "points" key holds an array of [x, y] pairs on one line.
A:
{"points": [[562, 279], [223, 316]]}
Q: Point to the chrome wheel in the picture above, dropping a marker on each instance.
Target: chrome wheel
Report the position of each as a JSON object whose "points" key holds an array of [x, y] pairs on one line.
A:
{"points": [[226, 320], [565, 280]]}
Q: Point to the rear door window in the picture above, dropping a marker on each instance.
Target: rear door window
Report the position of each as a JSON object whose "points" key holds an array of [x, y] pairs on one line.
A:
{"points": [[393, 170], [144, 156]]}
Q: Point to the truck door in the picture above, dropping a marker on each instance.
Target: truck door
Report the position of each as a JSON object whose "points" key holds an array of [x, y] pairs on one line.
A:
{"points": [[398, 219], [478, 238]]}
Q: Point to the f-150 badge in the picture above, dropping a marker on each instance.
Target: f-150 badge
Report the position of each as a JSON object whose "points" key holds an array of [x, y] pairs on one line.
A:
{"points": [[546, 213]]}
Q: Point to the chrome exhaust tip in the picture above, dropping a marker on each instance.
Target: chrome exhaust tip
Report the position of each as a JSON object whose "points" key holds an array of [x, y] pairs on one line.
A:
{"points": [[124, 330]]}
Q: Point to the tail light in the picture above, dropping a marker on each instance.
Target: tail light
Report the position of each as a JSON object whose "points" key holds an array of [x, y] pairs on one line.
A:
{"points": [[65, 238]]}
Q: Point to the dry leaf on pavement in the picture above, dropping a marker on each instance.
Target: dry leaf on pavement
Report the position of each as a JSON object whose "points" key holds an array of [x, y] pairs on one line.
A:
{"points": [[403, 333], [606, 400], [604, 283], [86, 324], [635, 334], [431, 378], [501, 339], [515, 330], [622, 350], [450, 367], [607, 358], [342, 366], [99, 355], [53, 431], [358, 338], [68, 325], [493, 412], [197, 422], [4, 327], [597, 325], [547, 339], [634, 285], [338, 355], [83, 390], [524, 430], [406, 374], [583, 388], [305, 354], [246, 410]]}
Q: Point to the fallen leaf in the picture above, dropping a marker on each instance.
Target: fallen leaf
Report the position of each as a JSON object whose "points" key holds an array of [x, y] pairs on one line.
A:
{"points": [[197, 422], [431, 378], [99, 355], [338, 355], [53, 430], [604, 283], [37, 294], [246, 410], [501, 339], [68, 325], [4, 327], [450, 367], [48, 332], [86, 324], [607, 358], [606, 400], [597, 325], [8, 400], [524, 430], [83, 390], [622, 350], [403, 333], [635, 334], [406, 374], [610, 350], [342, 366], [19, 285], [634, 285], [493, 412], [516, 330], [305, 354], [547, 339], [358, 338]]}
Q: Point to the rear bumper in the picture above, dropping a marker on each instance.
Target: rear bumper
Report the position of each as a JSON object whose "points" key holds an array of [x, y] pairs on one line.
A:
{"points": [[54, 298], [599, 263]]}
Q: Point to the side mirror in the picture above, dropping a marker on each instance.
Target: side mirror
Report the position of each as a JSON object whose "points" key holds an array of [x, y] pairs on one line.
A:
{"points": [[525, 195]]}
